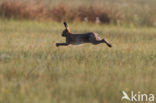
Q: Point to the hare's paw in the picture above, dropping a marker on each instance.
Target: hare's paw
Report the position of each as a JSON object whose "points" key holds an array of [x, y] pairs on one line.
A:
{"points": [[57, 44]]}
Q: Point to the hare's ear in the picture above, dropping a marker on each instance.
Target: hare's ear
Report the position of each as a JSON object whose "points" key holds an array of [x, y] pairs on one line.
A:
{"points": [[66, 25]]}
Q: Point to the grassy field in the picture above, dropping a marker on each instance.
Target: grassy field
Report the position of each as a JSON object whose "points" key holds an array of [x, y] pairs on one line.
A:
{"points": [[33, 70]]}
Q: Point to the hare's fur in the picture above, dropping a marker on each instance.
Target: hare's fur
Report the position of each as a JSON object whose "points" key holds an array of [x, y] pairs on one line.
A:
{"points": [[76, 39]]}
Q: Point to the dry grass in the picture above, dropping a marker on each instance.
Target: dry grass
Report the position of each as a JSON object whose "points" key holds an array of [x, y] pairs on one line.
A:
{"points": [[21, 10], [121, 12], [61, 12]]}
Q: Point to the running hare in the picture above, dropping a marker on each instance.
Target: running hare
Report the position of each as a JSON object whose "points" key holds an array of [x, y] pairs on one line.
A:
{"points": [[76, 39]]}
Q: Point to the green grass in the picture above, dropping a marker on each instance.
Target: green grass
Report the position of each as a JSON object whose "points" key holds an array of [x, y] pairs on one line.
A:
{"points": [[33, 70]]}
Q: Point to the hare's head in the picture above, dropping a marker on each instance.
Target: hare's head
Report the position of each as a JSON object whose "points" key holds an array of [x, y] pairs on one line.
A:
{"points": [[66, 31]]}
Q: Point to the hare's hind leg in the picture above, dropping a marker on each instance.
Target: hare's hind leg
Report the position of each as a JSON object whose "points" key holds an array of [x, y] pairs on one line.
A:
{"points": [[94, 39], [108, 44], [99, 40]]}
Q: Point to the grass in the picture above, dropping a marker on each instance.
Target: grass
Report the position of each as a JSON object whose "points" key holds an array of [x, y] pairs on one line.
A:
{"points": [[135, 12], [33, 70]]}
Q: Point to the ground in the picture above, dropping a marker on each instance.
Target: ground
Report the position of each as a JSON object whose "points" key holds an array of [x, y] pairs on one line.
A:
{"points": [[34, 70]]}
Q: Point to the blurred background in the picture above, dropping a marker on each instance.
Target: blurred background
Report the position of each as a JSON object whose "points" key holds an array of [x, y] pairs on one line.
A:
{"points": [[133, 12]]}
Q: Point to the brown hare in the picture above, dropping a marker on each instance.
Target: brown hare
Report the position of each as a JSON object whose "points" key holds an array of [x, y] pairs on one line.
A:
{"points": [[76, 39]]}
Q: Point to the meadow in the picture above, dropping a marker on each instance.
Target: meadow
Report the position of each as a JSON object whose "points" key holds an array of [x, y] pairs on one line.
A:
{"points": [[34, 70]]}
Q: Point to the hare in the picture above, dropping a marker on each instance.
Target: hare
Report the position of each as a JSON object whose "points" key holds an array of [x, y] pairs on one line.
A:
{"points": [[76, 39]]}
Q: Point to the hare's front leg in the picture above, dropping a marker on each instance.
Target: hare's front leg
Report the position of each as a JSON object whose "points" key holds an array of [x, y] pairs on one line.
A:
{"points": [[62, 44]]}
